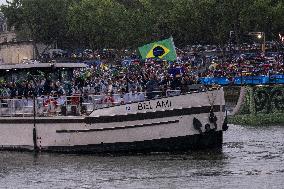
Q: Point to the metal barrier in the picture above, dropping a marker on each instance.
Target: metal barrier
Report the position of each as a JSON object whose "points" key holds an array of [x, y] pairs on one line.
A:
{"points": [[244, 80], [16, 107], [72, 105]]}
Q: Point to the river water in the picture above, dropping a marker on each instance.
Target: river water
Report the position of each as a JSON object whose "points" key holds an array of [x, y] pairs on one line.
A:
{"points": [[252, 157]]}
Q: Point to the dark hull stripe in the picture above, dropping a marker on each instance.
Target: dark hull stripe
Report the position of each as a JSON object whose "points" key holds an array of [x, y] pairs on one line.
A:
{"points": [[152, 115], [118, 128], [116, 118], [174, 144], [51, 120], [16, 148]]}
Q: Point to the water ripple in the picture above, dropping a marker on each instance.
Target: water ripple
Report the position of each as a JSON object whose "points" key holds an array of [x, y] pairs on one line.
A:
{"points": [[252, 157]]}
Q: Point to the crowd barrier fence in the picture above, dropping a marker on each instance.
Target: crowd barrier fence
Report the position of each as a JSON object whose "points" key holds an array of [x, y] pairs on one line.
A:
{"points": [[243, 80]]}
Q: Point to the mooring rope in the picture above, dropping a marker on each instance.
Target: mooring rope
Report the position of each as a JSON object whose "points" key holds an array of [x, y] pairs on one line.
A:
{"points": [[211, 102]]}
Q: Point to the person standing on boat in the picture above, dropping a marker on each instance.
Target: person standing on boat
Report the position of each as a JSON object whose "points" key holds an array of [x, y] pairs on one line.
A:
{"points": [[109, 86], [151, 86], [13, 90], [186, 81], [176, 83], [104, 87], [97, 85], [165, 82], [61, 90]]}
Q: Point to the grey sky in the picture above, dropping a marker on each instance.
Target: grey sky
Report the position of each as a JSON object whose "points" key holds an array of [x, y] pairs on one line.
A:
{"points": [[2, 1]]}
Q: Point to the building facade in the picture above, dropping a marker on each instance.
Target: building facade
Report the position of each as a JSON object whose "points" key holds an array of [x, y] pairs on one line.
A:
{"points": [[11, 50]]}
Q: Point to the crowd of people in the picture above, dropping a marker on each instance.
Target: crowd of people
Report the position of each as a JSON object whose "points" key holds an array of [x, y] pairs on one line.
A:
{"points": [[132, 75]]}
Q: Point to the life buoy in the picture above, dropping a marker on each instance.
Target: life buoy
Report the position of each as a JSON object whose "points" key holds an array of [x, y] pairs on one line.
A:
{"points": [[207, 128], [197, 125]]}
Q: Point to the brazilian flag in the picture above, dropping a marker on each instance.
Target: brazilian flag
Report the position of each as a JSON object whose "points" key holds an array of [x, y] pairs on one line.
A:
{"points": [[164, 49]]}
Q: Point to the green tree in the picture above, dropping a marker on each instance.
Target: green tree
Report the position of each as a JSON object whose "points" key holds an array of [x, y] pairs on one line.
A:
{"points": [[258, 16], [131, 23], [99, 24], [43, 20]]}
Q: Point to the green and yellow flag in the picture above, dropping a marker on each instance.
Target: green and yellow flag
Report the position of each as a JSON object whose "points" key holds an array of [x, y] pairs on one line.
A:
{"points": [[164, 49]]}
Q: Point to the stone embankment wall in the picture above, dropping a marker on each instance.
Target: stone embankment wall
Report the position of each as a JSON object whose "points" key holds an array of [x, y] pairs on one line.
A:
{"points": [[232, 94], [263, 99], [259, 105], [254, 99], [15, 53]]}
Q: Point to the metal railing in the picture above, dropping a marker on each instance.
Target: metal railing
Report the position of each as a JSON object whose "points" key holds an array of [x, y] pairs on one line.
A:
{"points": [[73, 105]]}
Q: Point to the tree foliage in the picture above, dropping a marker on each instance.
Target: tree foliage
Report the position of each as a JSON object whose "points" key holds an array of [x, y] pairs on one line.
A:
{"points": [[44, 20], [130, 23]]}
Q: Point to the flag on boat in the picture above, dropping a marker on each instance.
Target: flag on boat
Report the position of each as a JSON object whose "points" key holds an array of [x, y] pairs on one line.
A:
{"points": [[164, 49]]}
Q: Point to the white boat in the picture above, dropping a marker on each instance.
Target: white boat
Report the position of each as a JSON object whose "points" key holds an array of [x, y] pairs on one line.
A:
{"points": [[169, 124]]}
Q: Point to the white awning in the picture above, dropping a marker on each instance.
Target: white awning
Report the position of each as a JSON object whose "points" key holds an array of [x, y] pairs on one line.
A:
{"points": [[42, 65]]}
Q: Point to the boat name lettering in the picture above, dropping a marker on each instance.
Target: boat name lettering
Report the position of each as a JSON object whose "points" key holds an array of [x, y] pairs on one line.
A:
{"points": [[159, 104], [144, 106], [164, 104]]}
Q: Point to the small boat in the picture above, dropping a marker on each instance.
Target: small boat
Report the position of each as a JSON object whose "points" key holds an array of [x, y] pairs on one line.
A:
{"points": [[171, 123]]}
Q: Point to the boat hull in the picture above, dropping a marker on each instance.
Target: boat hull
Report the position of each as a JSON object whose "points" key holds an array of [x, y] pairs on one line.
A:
{"points": [[210, 140], [160, 125]]}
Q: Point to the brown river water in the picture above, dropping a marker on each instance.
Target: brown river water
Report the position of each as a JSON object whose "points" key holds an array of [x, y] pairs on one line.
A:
{"points": [[252, 157]]}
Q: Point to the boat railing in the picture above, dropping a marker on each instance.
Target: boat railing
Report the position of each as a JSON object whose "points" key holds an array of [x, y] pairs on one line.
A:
{"points": [[74, 105]]}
